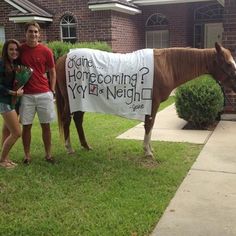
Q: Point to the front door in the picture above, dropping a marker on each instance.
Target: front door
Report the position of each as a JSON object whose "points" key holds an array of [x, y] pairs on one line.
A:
{"points": [[213, 33]]}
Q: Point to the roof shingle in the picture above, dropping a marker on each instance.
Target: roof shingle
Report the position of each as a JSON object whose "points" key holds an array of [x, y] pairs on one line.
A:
{"points": [[31, 9]]}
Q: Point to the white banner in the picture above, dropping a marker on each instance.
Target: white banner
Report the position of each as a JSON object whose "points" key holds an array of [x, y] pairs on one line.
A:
{"points": [[113, 83]]}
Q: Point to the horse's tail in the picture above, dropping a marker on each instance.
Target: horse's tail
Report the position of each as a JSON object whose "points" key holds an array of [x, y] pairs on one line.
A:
{"points": [[59, 105], [60, 100]]}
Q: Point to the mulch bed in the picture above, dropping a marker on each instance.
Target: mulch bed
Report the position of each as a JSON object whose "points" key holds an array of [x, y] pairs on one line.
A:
{"points": [[211, 127]]}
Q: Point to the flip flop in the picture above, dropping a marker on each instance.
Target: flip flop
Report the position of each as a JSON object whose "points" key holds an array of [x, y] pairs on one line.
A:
{"points": [[12, 163], [6, 165]]}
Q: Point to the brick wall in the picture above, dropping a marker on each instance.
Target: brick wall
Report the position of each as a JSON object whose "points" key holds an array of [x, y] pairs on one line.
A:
{"points": [[120, 30], [180, 17], [127, 32], [123, 32], [91, 26], [11, 30], [229, 41], [229, 35]]}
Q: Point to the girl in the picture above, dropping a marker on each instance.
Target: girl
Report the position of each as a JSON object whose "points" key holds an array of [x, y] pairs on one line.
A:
{"points": [[11, 128]]}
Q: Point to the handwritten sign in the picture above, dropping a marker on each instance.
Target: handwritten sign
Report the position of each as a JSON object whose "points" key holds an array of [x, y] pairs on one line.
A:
{"points": [[111, 83]]}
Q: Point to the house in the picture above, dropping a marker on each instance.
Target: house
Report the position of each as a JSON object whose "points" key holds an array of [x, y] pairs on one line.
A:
{"points": [[126, 25]]}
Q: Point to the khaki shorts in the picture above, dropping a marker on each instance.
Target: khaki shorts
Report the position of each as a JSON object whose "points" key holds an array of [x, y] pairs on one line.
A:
{"points": [[40, 103]]}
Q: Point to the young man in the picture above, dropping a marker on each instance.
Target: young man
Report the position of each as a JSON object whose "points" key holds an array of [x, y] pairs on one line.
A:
{"points": [[38, 92]]}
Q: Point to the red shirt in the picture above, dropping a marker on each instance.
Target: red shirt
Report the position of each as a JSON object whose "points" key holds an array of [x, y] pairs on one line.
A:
{"points": [[40, 59]]}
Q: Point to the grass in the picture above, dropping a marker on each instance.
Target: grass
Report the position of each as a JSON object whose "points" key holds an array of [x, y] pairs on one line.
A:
{"points": [[112, 190]]}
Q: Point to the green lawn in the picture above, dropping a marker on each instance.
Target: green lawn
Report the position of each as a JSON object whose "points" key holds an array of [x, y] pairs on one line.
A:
{"points": [[111, 190]]}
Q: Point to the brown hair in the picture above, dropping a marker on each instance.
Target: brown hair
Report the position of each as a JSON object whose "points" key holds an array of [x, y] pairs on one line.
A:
{"points": [[5, 57], [32, 23]]}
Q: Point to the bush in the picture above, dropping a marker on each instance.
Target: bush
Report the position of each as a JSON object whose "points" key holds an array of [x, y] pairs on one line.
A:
{"points": [[1, 45], [199, 101], [60, 48]]}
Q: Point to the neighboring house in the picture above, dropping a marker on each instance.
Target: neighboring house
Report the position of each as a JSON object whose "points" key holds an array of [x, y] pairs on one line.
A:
{"points": [[126, 25]]}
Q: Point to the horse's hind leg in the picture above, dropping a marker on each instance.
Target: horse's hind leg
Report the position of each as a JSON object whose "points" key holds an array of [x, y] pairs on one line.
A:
{"points": [[78, 119], [66, 127]]}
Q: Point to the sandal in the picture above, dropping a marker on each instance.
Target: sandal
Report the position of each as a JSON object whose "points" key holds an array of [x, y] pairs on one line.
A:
{"points": [[26, 161], [12, 163], [50, 160], [6, 164]]}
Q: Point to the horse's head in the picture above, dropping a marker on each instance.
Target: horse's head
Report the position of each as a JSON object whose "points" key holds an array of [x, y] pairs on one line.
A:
{"points": [[226, 67]]}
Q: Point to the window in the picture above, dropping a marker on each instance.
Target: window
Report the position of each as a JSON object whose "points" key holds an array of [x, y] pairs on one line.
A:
{"points": [[212, 13], [2, 34], [209, 12], [68, 29], [157, 19], [198, 35], [157, 39], [157, 33]]}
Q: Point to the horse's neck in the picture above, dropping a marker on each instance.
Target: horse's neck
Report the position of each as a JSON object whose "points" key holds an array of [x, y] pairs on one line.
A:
{"points": [[187, 64]]}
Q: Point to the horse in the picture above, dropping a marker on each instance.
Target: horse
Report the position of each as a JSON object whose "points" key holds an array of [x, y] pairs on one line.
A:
{"points": [[172, 67]]}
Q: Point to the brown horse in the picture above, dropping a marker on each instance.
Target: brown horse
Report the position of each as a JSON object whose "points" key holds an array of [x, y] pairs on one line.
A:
{"points": [[172, 67]]}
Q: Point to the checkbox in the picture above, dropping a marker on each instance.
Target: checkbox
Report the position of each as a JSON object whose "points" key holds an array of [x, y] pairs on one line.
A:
{"points": [[93, 89], [146, 94]]}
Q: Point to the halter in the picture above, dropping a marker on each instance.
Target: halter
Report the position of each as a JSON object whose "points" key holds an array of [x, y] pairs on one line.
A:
{"points": [[225, 71], [228, 76]]}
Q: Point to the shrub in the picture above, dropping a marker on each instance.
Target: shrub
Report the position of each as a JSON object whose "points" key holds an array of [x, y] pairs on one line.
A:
{"points": [[199, 101], [60, 48], [1, 45]]}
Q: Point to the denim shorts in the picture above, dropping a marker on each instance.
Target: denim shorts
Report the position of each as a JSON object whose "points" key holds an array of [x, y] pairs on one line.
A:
{"points": [[5, 108]]}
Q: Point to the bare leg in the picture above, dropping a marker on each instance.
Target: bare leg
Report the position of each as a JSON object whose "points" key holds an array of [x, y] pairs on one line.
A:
{"points": [[26, 138], [5, 132], [46, 135], [13, 126]]}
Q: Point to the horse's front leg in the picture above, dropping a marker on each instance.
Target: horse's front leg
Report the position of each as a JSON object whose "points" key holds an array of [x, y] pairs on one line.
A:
{"points": [[148, 125], [78, 119]]}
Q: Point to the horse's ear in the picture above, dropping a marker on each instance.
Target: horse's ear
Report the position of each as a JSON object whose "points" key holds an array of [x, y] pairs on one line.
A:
{"points": [[218, 47]]}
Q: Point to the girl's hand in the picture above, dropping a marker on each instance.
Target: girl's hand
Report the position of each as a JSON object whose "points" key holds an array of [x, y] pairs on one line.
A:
{"points": [[19, 91]]}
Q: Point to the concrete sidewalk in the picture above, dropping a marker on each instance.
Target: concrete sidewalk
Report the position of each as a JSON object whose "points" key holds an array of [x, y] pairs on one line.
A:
{"points": [[205, 203], [168, 127]]}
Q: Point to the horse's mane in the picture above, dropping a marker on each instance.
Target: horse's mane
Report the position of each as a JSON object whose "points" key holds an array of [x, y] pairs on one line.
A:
{"points": [[183, 63]]}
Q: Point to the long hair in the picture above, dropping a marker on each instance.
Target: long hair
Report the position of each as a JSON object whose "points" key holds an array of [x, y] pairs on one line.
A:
{"points": [[5, 57]]}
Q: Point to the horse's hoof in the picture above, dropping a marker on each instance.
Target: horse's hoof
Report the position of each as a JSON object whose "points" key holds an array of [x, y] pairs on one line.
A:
{"points": [[88, 148], [149, 155], [71, 151]]}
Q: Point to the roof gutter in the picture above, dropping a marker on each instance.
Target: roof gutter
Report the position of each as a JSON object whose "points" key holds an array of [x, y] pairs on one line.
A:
{"points": [[22, 19], [161, 2], [114, 7]]}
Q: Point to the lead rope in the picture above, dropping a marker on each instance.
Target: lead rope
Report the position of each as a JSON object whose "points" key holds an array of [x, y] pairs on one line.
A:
{"points": [[226, 98]]}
